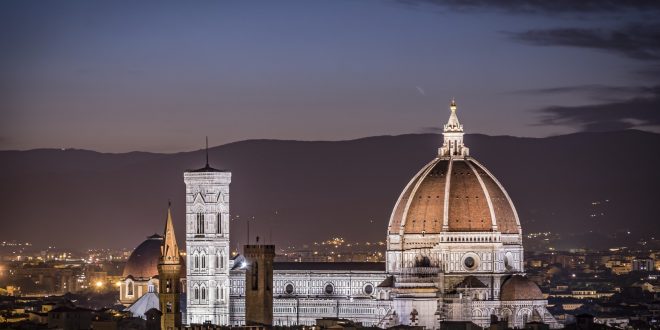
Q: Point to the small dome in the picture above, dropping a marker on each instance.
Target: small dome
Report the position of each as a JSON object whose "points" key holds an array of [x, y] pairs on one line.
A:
{"points": [[520, 288], [143, 262]]}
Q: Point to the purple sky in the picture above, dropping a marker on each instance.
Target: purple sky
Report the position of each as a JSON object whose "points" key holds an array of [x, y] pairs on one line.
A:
{"points": [[158, 76]]}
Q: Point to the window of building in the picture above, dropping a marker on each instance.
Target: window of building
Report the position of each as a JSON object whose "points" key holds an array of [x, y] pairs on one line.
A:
{"points": [[329, 289], [169, 307], [200, 223], [218, 226], [196, 293], [203, 261], [196, 261], [168, 286], [469, 263], [368, 289], [217, 293], [255, 276], [129, 289], [203, 293], [288, 288]]}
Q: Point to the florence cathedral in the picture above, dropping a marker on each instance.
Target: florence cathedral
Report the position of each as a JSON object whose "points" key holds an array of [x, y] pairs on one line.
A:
{"points": [[454, 253]]}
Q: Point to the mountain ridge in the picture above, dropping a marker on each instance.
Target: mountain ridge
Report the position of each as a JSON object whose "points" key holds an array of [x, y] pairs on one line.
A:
{"points": [[324, 188]]}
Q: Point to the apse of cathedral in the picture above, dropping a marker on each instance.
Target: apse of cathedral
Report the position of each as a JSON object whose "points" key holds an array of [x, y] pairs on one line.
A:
{"points": [[454, 253]]}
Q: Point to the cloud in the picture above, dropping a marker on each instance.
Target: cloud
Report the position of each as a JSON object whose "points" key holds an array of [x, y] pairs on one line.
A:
{"points": [[637, 112], [430, 130], [543, 6], [638, 41], [596, 91]]}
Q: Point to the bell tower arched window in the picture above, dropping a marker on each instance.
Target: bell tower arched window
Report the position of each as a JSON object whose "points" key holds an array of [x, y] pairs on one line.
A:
{"points": [[200, 223]]}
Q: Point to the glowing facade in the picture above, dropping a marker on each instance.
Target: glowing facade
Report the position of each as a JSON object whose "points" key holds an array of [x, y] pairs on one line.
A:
{"points": [[207, 245]]}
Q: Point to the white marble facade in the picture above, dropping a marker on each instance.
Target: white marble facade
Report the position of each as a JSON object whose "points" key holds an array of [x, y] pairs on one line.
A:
{"points": [[207, 246], [455, 258]]}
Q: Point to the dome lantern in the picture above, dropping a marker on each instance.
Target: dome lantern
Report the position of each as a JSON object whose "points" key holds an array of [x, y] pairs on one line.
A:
{"points": [[453, 145]]}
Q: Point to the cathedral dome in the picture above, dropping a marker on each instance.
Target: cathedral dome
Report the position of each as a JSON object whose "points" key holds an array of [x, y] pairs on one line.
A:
{"points": [[143, 262], [453, 193], [518, 287]]}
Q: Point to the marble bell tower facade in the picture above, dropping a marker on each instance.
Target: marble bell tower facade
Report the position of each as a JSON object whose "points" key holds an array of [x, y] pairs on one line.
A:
{"points": [[207, 245]]}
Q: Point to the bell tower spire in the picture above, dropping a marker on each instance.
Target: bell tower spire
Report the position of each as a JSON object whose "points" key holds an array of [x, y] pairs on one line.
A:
{"points": [[169, 250], [169, 276], [452, 145]]}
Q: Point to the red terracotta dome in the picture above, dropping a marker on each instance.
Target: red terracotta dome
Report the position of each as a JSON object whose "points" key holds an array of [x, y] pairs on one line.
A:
{"points": [[518, 287], [143, 262], [453, 194]]}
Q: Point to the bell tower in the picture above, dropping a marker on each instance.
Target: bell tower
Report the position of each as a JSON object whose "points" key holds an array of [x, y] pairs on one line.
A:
{"points": [[169, 274], [259, 284], [207, 245]]}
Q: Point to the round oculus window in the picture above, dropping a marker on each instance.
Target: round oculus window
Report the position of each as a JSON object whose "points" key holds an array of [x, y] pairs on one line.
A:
{"points": [[288, 288], [368, 289], [469, 262], [329, 289]]}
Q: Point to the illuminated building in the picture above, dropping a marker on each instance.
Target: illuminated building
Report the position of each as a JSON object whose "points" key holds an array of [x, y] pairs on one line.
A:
{"points": [[454, 253]]}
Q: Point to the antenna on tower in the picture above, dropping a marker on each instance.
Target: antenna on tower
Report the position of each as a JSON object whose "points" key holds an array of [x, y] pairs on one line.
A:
{"points": [[207, 151]]}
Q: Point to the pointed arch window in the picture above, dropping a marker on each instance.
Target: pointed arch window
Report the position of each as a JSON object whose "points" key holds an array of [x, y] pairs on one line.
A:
{"points": [[200, 223], [129, 288], [196, 261], [203, 293], [196, 293], [218, 225], [217, 292], [203, 261]]}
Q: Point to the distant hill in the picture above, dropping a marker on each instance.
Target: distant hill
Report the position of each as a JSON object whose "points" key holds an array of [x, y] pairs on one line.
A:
{"points": [[603, 183]]}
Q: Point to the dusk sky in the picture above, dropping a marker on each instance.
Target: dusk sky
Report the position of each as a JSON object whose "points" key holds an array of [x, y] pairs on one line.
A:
{"points": [[120, 76]]}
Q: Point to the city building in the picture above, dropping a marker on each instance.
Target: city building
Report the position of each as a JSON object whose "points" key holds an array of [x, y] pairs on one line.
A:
{"points": [[454, 254]]}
